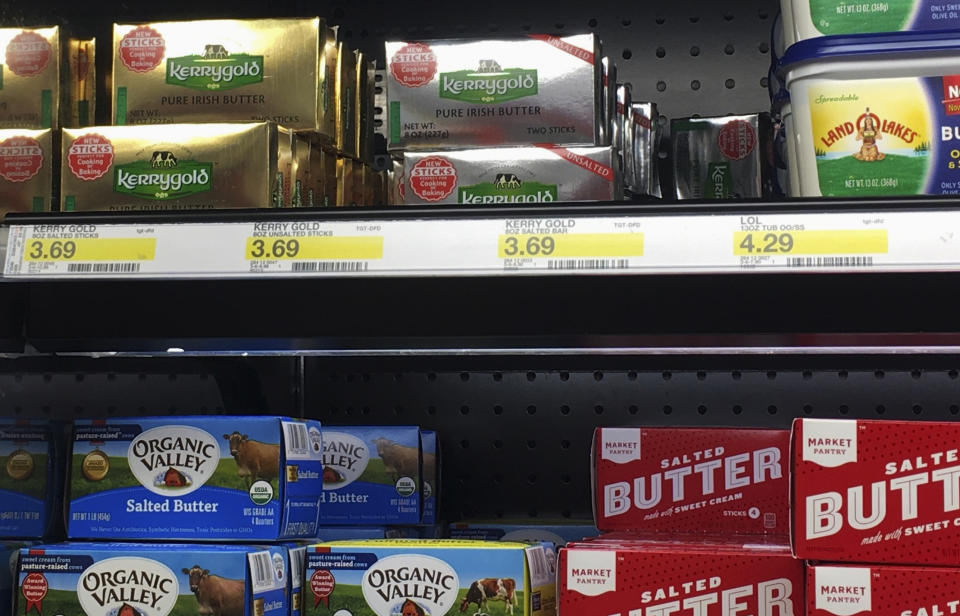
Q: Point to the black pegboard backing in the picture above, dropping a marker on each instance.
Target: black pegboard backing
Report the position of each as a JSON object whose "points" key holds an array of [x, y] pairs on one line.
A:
{"points": [[64, 388], [523, 435], [689, 56]]}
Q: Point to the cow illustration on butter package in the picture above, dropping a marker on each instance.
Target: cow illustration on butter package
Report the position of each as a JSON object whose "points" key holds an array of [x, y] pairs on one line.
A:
{"points": [[235, 478], [428, 578], [130, 579], [371, 475], [27, 474]]}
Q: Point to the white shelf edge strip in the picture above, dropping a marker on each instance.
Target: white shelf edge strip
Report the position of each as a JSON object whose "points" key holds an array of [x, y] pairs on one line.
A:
{"points": [[791, 242]]}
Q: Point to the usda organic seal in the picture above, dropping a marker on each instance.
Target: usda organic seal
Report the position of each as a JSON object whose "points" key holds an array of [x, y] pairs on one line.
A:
{"points": [[261, 492], [406, 486]]}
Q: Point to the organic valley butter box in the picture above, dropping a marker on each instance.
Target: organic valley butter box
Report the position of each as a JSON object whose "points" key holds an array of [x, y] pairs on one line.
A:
{"points": [[30, 77], [30, 467], [169, 167], [224, 70], [692, 480], [371, 475], [444, 94], [876, 491], [412, 577], [194, 478], [139, 579], [26, 170]]}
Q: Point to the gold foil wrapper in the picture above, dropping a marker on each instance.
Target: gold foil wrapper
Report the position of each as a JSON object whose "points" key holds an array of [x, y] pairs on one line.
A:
{"points": [[225, 70], [301, 173], [81, 83], [346, 101], [169, 167], [95, 465], [345, 183], [30, 93], [283, 188], [19, 465], [329, 170], [26, 170], [359, 105]]}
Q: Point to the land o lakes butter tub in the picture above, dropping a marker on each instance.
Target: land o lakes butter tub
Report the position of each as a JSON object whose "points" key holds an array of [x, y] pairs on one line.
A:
{"points": [[805, 19], [875, 114]]}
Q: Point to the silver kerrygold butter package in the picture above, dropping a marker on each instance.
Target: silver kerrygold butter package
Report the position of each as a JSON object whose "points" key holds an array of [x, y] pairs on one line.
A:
{"points": [[26, 170], [608, 98], [169, 167], [720, 157], [225, 70], [542, 174], [449, 94], [645, 134], [30, 92]]}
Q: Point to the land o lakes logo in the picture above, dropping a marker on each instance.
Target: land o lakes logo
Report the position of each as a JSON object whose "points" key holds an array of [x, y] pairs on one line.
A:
{"points": [[345, 457], [173, 460], [163, 177], [410, 584], [127, 587], [489, 84], [508, 188], [869, 129], [215, 69]]}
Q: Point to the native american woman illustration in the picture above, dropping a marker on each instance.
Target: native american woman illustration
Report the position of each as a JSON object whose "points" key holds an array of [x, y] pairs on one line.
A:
{"points": [[869, 134]]}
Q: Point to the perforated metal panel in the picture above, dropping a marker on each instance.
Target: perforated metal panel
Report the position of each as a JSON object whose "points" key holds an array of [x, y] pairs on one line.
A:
{"points": [[516, 441]]}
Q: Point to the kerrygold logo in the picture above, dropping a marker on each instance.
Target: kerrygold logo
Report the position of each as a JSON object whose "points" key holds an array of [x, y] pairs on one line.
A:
{"points": [[215, 69], [489, 84], [163, 177], [128, 587], [173, 460], [508, 188], [409, 583]]}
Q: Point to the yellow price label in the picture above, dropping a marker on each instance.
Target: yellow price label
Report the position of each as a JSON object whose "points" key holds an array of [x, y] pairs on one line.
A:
{"points": [[570, 245], [830, 242], [91, 249], [318, 248]]}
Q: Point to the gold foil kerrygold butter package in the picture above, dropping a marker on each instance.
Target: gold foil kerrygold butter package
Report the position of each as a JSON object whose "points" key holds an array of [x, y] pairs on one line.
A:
{"points": [[222, 70], [544, 174], [721, 157], [30, 94], [26, 170], [447, 94], [345, 194], [346, 133], [81, 82], [359, 103], [329, 172], [168, 167]]}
